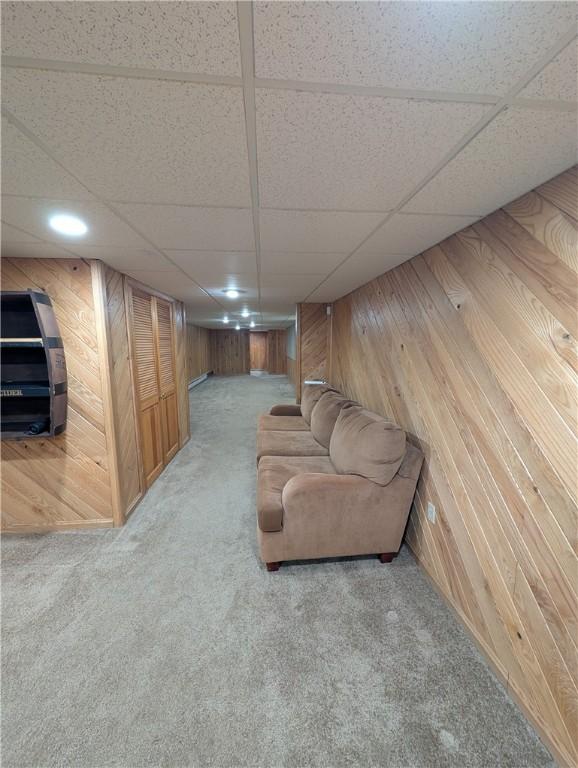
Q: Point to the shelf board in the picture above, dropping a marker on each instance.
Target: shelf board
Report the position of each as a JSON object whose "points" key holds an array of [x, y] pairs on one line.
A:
{"points": [[24, 390], [28, 342]]}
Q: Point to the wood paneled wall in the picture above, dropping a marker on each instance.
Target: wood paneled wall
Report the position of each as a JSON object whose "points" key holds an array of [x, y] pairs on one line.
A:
{"points": [[89, 476], [313, 343], [471, 346], [198, 352], [63, 481], [181, 371], [292, 372], [277, 351], [258, 350], [229, 352]]}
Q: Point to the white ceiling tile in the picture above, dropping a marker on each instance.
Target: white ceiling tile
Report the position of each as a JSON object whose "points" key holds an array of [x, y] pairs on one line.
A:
{"points": [[181, 227], [34, 251], [206, 265], [104, 228], [245, 283], [288, 288], [138, 140], [174, 284], [319, 150], [519, 150], [357, 270], [475, 47], [314, 231], [186, 36], [13, 235], [559, 80], [411, 234], [124, 259], [283, 263], [27, 170]]}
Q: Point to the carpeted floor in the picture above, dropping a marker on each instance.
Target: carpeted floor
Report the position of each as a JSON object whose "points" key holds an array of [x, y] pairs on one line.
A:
{"points": [[166, 643]]}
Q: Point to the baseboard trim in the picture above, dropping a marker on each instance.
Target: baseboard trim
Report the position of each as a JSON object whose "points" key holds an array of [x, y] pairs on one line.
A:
{"points": [[198, 380], [61, 525], [564, 760]]}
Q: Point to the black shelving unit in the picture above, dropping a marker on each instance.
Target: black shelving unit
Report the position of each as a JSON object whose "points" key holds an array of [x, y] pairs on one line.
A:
{"points": [[33, 384]]}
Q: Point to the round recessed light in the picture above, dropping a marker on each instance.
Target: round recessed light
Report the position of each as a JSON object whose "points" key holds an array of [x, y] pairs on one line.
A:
{"points": [[68, 225], [226, 319], [237, 327], [231, 293], [245, 313], [252, 324]]}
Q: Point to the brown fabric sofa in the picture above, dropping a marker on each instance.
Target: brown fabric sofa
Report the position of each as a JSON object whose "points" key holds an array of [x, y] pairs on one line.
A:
{"points": [[315, 441], [293, 417], [355, 501]]}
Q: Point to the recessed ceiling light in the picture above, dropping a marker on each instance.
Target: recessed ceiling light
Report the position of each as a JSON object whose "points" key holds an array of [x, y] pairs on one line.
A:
{"points": [[231, 293], [226, 319], [245, 313], [68, 225], [237, 327], [252, 324]]}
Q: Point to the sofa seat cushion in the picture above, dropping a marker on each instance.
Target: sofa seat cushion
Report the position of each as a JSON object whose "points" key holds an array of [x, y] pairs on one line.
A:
{"points": [[273, 474], [278, 423], [288, 443], [366, 444]]}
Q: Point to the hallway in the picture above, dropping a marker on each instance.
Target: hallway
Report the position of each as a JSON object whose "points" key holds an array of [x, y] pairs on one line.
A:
{"points": [[203, 658]]}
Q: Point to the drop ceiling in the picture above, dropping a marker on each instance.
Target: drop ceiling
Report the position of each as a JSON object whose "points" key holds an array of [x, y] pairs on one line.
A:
{"points": [[292, 150]]}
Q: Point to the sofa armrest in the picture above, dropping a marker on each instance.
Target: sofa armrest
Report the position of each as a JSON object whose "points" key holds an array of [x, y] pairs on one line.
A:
{"points": [[325, 494], [285, 410]]}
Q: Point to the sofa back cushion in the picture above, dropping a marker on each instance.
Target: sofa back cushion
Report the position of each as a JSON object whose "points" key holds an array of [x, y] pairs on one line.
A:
{"points": [[366, 444], [324, 415], [310, 396]]}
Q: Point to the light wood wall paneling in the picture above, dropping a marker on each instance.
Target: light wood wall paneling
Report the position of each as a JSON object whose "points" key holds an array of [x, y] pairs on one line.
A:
{"points": [[313, 342], [277, 351], [471, 347], [229, 353], [292, 371], [258, 350], [181, 361], [122, 386], [63, 482], [198, 352]]}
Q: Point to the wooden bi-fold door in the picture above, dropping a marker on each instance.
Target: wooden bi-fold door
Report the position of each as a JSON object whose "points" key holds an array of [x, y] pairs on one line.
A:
{"points": [[167, 379], [155, 381]]}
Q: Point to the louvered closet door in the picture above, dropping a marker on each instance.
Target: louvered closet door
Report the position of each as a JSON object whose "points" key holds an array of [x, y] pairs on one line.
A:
{"points": [[167, 379], [147, 384]]}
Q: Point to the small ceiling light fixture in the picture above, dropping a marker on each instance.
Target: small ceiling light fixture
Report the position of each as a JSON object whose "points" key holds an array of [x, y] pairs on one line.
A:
{"points": [[68, 225], [245, 313], [237, 327], [226, 319], [252, 324], [232, 293]]}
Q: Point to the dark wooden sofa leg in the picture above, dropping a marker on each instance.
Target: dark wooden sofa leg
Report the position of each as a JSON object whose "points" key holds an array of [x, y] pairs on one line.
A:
{"points": [[273, 566], [387, 557]]}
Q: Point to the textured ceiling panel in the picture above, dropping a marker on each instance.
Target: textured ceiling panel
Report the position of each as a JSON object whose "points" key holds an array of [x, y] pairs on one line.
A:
{"points": [[413, 233], [290, 288], [559, 80], [321, 150], [194, 37], [13, 235], [27, 170], [34, 251], [205, 265], [172, 283], [520, 149], [175, 226], [104, 228], [284, 263], [477, 47], [357, 270], [323, 231], [138, 140], [125, 259]]}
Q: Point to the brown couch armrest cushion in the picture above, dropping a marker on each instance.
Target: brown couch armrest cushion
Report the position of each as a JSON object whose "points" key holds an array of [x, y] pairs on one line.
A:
{"points": [[285, 410], [366, 444]]}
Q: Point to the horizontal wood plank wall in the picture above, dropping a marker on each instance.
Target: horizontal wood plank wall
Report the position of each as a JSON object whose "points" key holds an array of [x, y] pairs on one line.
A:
{"points": [[229, 352], [471, 346], [63, 482], [258, 350], [198, 352], [277, 351], [181, 371], [125, 417], [313, 342]]}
